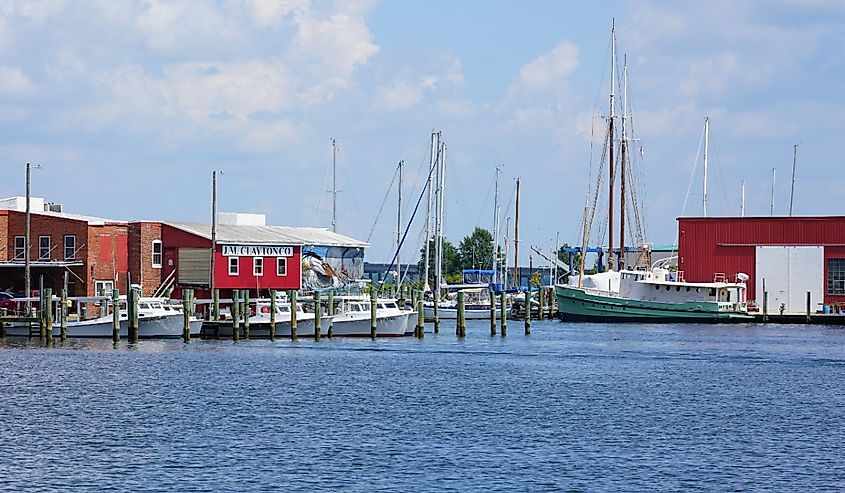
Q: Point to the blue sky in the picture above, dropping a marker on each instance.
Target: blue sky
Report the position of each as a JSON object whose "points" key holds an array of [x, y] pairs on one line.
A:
{"points": [[128, 106]]}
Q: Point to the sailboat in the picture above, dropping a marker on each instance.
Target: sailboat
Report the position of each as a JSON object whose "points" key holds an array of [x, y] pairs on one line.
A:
{"points": [[623, 294]]}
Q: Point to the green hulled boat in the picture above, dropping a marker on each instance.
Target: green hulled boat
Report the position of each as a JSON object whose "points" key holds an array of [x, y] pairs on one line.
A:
{"points": [[643, 296]]}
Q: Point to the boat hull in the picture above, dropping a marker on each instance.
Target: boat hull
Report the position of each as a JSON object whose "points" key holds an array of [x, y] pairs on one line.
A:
{"points": [[386, 326], [148, 328], [579, 305]]}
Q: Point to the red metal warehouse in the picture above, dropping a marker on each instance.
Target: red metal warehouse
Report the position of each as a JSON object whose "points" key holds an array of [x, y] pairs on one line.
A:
{"points": [[791, 256]]}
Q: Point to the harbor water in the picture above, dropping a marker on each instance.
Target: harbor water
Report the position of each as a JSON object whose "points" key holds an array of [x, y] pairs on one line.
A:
{"points": [[572, 407]]}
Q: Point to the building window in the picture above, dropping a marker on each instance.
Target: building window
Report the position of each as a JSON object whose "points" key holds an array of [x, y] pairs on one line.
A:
{"points": [[836, 276], [20, 247], [281, 266], [157, 254], [257, 266], [233, 266], [105, 287], [43, 247], [70, 247]]}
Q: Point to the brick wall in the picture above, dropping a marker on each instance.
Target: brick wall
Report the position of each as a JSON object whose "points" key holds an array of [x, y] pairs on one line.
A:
{"points": [[141, 237], [4, 236], [106, 253]]}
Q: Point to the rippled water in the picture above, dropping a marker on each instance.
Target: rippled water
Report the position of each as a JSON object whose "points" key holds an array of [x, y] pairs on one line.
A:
{"points": [[570, 408]]}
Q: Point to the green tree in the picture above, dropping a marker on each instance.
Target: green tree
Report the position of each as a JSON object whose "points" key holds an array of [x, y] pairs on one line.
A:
{"points": [[476, 250], [450, 261]]}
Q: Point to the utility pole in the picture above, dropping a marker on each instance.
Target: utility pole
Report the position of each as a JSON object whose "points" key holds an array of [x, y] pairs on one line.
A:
{"points": [[213, 229], [26, 272], [706, 145]]}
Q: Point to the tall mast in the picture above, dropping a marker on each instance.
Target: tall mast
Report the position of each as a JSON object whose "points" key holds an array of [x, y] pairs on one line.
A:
{"points": [[611, 143], [438, 254], [334, 185], [516, 239], [434, 151], [792, 189], [399, 228], [706, 146], [442, 204], [623, 164], [496, 228], [742, 201], [772, 204], [505, 256]]}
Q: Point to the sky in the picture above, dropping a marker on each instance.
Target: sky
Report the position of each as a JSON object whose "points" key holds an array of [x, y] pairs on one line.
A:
{"points": [[129, 106]]}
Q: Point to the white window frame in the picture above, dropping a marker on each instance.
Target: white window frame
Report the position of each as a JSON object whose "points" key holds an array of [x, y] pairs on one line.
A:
{"points": [[281, 266], [21, 249], [258, 266], [160, 254], [236, 265], [41, 247], [72, 248], [107, 286]]}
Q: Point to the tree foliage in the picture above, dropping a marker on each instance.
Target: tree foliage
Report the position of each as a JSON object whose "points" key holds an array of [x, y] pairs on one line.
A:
{"points": [[451, 268], [476, 250]]}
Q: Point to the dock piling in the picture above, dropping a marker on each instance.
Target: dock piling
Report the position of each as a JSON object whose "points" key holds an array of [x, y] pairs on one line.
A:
{"points": [[492, 312], [436, 312], [318, 312], [373, 306], [133, 319], [528, 309], [765, 306], [186, 314], [808, 307], [504, 314], [330, 310], [292, 297], [115, 315], [272, 314], [420, 328], [461, 329], [236, 314], [541, 295], [48, 312], [63, 315], [245, 311]]}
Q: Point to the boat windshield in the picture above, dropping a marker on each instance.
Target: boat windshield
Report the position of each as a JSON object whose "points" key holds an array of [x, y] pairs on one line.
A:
{"points": [[390, 305]]}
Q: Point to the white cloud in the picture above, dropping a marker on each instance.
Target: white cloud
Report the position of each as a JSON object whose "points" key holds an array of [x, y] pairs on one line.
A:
{"points": [[13, 82], [267, 13], [185, 26], [406, 91], [550, 68], [36, 10]]}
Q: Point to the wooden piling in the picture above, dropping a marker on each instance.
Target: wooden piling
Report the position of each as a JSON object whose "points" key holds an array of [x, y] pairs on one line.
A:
{"points": [[132, 322], [272, 314], [48, 312], [765, 306], [63, 315], [330, 310], [42, 322], [461, 329], [528, 309], [504, 314], [492, 312], [420, 328], [318, 312], [186, 315], [245, 311], [215, 305], [541, 297], [808, 307], [236, 314], [436, 308], [292, 298], [115, 315], [373, 306]]}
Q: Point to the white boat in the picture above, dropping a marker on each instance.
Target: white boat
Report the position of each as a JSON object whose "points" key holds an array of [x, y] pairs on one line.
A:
{"points": [[156, 319], [354, 318], [477, 304], [259, 322]]}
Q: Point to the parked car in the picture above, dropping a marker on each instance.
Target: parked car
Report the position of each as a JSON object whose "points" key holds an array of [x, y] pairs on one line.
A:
{"points": [[6, 301]]}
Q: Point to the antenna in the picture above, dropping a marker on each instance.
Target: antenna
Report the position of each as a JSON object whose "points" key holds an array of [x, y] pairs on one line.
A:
{"points": [[706, 145], [792, 189]]}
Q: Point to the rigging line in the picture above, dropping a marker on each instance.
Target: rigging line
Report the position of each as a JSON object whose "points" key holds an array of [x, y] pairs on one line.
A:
{"points": [[484, 202], [689, 188], [326, 176], [408, 227], [386, 195]]}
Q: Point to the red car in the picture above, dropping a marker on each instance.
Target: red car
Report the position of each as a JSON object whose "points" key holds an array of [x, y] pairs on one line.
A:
{"points": [[6, 301]]}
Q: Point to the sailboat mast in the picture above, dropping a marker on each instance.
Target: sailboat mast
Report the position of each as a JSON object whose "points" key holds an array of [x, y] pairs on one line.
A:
{"points": [[611, 143], [496, 229], [428, 212], [623, 168], [706, 147], [440, 228], [792, 189], [334, 185], [516, 278], [399, 228], [583, 250]]}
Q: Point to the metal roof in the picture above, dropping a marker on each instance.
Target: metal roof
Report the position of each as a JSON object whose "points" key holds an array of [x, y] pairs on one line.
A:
{"points": [[91, 220], [256, 235]]}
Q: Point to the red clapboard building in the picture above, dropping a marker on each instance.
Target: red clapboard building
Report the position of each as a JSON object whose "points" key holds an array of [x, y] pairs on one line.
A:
{"points": [[786, 256]]}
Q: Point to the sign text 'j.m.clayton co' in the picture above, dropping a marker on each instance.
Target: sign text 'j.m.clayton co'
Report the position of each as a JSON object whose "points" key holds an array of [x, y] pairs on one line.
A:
{"points": [[257, 251]]}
